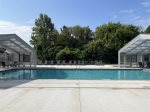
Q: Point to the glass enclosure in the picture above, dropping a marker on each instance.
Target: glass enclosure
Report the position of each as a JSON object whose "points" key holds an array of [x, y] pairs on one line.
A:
{"points": [[136, 52]]}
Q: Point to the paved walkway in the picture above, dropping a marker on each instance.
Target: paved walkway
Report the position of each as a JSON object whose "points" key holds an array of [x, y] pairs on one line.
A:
{"points": [[74, 96]]}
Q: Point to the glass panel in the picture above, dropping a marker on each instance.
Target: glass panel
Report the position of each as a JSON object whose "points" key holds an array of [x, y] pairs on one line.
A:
{"points": [[146, 58], [26, 58]]}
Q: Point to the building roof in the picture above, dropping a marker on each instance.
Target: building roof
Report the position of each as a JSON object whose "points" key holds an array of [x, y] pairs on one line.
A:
{"points": [[14, 43], [140, 44]]}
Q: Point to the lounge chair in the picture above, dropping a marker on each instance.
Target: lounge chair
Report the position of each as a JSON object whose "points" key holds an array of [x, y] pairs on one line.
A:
{"points": [[51, 62], [13, 64], [46, 62], [63, 62], [16, 64], [58, 62], [70, 62], [148, 65], [74, 62], [141, 65], [79, 62], [82, 62], [85, 62], [92, 62], [3, 64], [101, 62], [96, 62]]}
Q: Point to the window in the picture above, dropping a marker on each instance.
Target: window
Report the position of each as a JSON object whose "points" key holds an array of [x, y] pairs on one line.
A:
{"points": [[134, 58], [146, 58], [131, 58], [26, 58]]}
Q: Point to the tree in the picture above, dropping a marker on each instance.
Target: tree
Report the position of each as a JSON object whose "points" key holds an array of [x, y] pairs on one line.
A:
{"points": [[148, 29], [94, 50], [43, 36], [114, 36], [65, 38], [66, 31], [69, 54], [75, 37], [83, 33], [80, 43]]}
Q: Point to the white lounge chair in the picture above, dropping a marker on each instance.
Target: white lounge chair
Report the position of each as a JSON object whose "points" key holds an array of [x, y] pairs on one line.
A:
{"points": [[96, 62], [74, 62], [100, 62], [51, 62], [70, 62], [82, 62], [63, 62], [92, 62], [45, 62], [58, 62], [85, 62], [79, 62]]}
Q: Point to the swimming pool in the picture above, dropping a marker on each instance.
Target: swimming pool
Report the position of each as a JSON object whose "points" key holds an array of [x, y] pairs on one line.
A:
{"points": [[83, 74]]}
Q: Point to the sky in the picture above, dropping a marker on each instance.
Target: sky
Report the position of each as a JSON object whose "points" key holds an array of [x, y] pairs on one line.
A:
{"points": [[18, 16]]}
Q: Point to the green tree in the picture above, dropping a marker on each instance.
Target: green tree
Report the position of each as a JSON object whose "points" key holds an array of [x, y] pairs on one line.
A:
{"points": [[83, 33], [64, 37], [43, 37], [94, 50], [147, 29], [65, 54], [69, 54], [66, 31], [80, 43], [114, 36], [75, 37]]}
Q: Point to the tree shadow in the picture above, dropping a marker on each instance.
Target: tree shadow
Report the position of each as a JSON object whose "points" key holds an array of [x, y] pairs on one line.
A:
{"points": [[6, 84], [13, 78]]}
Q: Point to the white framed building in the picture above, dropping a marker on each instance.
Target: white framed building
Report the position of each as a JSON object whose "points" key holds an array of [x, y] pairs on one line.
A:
{"points": [[16, 51], [137, 50]]}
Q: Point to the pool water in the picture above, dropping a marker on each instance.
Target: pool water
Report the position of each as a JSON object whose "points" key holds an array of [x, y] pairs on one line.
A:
{"points": [[75, 74]]}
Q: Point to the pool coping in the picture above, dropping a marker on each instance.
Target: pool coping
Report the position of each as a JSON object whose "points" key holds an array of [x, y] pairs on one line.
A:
{"points": [[68, 68], [49, 83], [72, 67]]}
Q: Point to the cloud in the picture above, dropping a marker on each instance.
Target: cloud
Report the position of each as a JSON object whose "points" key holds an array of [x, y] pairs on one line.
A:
{"points": [[143, 21], [148, 10], [127, 11], [31, 21], [145, 4], [115, 16], [23, 31], [137, 16]]}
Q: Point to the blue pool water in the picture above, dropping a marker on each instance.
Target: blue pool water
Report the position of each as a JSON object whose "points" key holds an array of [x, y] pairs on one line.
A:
{"points": [[75, 74]]}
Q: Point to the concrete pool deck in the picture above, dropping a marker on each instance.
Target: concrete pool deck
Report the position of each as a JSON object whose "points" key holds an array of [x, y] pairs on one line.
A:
{"points": [[74, 96]]}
